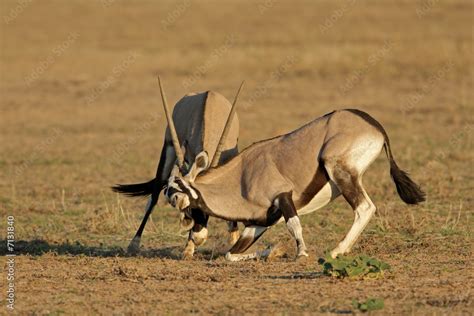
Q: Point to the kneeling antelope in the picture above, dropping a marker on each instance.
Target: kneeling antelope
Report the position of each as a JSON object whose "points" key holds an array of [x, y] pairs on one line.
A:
{"points": [[292, 175], [199, 121]]}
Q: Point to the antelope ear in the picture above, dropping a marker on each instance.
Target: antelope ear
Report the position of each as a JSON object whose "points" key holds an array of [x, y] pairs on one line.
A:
{"points": [[201, 163]]}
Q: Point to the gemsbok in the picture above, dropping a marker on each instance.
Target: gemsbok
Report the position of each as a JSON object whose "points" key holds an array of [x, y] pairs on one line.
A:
{"points": [[292, 175], [198, 123]]}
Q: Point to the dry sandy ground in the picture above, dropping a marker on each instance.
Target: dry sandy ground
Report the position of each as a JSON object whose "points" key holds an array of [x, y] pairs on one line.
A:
{"points": [[80, 111]]}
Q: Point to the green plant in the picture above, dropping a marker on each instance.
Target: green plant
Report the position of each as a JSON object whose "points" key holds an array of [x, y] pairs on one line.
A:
{"points": [[370, 304], [353, 267]]}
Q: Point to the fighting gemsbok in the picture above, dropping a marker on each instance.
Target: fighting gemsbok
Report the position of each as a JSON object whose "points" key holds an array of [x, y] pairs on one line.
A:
{"points": [[198, 123], [292, 175]]}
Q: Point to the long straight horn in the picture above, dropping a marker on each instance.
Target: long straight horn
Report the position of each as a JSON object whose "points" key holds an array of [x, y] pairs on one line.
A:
{"points": [[174, 135], [220, 146]]}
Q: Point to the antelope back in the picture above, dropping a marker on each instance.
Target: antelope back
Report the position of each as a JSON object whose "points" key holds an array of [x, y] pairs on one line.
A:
{"points": [[188, 121], [246, 186], [199, 119], [216, 111], [251, 181]]}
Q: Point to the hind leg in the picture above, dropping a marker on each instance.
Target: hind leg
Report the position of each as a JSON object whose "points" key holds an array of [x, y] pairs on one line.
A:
{"points": [[134, 246], [345, 162], [349, 182], [165, 165]]}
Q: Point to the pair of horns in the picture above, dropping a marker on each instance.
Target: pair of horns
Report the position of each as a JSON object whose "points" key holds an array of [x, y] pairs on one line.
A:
{"points": [[174, 135]]}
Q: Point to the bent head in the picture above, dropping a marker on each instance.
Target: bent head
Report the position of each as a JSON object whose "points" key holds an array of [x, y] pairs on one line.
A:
{"points": [[180, 192]]}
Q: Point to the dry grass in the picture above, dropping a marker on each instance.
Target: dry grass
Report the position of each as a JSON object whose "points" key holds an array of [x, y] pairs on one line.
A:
{"points": [[80, 111]]}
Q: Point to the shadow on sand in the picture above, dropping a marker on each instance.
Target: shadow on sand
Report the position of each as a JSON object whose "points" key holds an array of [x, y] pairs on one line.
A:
{"points": [[38, 247], [296, 276]]}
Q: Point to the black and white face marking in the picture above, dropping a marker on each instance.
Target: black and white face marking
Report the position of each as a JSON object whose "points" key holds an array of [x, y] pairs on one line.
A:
{"points": [[179, 193]]}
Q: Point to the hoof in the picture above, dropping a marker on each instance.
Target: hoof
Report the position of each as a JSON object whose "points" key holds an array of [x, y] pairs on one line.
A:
{"points": [[188, 251], [134, 246], [230, 257], [302, 257], [187, 255], [336, 252]]}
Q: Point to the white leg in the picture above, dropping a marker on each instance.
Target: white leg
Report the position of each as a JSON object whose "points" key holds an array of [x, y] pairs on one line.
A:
{"points": [[363, 214], [294, 226]]}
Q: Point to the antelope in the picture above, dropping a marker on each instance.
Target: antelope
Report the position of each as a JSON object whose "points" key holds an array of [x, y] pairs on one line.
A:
{"points": [[198, 122], [291, 175]]}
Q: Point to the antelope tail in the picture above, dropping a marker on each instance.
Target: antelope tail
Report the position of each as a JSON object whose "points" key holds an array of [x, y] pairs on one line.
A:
{"points": [[137, 189], [407, 189]]}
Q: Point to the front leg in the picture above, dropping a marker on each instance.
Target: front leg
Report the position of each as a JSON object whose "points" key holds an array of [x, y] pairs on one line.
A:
{"points": [[198, 234], [249, 236], [233, 229], [285, 203]]}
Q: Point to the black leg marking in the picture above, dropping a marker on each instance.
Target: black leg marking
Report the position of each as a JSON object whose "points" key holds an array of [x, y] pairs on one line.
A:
{"points": [[317, 183], [232, 226], [287, 207], [200, 219], [348, 183], [198, 234], [150, 208], [134, 245]]}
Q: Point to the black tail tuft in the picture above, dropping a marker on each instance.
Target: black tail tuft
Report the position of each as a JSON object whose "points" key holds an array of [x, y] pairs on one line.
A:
{"points": [[134, 190], [409, 191]]}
